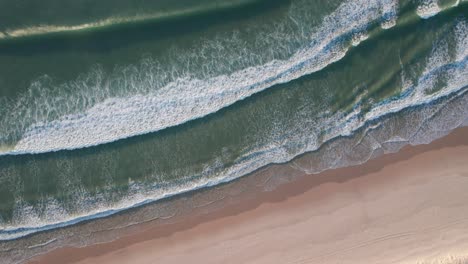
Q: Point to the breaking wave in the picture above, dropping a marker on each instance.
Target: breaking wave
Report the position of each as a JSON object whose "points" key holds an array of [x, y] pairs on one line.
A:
{"points": [[47, 127], [415, 95], [429, 8]]}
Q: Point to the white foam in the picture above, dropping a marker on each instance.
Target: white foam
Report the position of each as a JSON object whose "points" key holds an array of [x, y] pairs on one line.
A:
{"points": [[358, 38], [43, 244], [455, 72], [388, 24], [339, 125], [427, 8], [389, 14], [187, 99], [461, 30]]}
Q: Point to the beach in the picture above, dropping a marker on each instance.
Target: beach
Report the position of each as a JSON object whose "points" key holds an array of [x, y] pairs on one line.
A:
{"points": [[405, 207]]}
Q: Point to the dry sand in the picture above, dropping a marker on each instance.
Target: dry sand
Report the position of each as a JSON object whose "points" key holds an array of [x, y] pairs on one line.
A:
{"points": [[408, 207]]}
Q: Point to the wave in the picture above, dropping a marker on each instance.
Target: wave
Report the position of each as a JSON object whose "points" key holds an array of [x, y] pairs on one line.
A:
{"points": [[429, 8], [452, 67], [14, 232], [121, 20], [415, 95], [186, 99]]}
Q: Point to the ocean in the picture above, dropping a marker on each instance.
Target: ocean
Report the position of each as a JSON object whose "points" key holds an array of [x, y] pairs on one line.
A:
{"points": [[107, 106]]}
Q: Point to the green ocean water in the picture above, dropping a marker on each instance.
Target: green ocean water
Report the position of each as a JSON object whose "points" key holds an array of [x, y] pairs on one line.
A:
{"points": [[338, 65], [116, 45]]}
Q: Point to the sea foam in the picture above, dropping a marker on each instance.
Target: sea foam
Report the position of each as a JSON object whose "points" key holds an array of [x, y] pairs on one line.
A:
{"points": [[429, 8], [424, 127], [185, 99], [27, 221]]}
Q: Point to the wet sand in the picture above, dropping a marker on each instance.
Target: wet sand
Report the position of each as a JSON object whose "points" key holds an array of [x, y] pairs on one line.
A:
{"points": [[407, 207]]}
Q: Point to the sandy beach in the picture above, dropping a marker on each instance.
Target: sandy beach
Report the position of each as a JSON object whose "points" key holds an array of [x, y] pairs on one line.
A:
{"points": [[407, 207]]}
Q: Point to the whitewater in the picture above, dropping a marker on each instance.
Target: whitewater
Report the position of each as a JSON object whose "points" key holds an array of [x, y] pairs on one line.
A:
{"points": [[187, 99], [338, 125]]}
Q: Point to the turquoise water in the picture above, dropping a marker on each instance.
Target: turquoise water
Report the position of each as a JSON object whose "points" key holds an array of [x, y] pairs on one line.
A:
{"points": [[105, 109]]}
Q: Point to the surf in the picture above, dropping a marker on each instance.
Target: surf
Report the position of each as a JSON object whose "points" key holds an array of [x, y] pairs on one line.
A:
{"points": [[186, 99], [417, 98], [339, 125], [429, 8], [166, 14]]}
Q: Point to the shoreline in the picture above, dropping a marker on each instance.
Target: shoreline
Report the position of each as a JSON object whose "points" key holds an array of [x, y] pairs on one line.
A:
{"points": [[254, 204], [113, 212]]}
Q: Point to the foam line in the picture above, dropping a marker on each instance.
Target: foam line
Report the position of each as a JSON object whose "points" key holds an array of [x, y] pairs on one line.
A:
{"points": [[111, 21]]}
